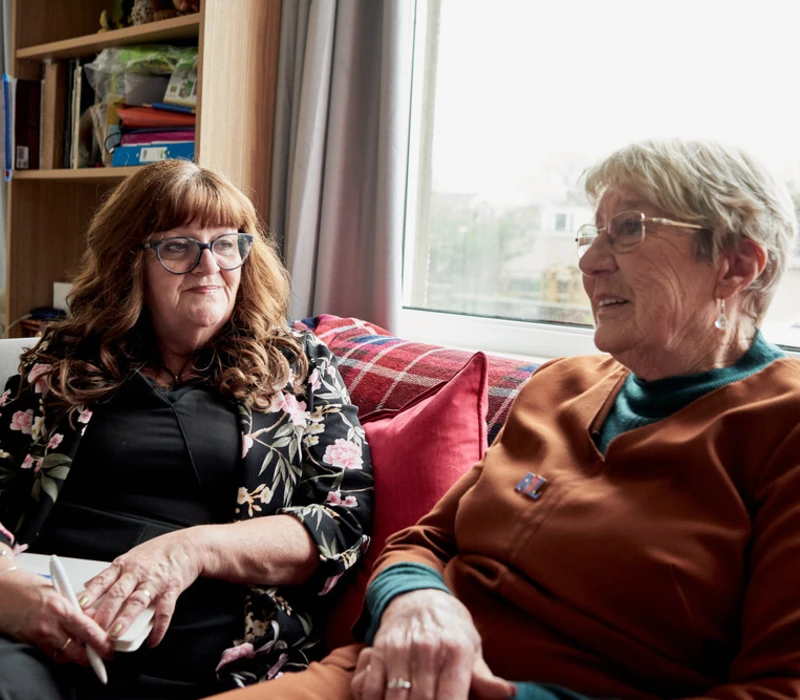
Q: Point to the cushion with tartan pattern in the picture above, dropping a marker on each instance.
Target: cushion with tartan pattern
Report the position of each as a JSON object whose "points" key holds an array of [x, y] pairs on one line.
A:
{"points": [[383, 372]]}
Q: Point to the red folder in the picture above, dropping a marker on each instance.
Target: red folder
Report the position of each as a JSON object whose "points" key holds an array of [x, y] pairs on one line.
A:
{"points": [[146, 117]]}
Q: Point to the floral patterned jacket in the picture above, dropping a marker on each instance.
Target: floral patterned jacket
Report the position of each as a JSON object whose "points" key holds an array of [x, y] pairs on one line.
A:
{"points": [[305, 456]]}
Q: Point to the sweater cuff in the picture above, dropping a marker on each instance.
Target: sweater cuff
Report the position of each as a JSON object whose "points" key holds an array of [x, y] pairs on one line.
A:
{"points": [[387, 585], [545, 691]]}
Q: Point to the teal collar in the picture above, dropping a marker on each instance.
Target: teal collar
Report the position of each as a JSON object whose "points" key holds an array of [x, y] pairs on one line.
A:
{"points": [[640, 402]]}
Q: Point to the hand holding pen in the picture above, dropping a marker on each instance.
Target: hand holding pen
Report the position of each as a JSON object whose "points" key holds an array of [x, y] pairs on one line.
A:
{"points": [[61, 581]]}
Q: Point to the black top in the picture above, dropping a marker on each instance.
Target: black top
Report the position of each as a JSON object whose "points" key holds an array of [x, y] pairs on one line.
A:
{"points": [[305, 456], [153, 461]]}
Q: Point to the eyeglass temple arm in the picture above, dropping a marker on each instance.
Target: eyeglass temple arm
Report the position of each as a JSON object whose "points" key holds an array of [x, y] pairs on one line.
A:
{"points": [[670, 222]]}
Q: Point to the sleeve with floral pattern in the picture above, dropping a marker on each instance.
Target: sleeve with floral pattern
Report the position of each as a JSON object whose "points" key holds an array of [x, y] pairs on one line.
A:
{"points": [[16, 420], [334, 497]]}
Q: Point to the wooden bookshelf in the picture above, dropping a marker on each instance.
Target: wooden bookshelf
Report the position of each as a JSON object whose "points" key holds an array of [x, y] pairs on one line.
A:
{"points": [[49, 210], [154, 32], [77, 174]]}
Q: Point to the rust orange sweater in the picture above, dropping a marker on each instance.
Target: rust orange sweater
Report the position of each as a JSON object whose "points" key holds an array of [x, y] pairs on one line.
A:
{"points": [[670, 567]]}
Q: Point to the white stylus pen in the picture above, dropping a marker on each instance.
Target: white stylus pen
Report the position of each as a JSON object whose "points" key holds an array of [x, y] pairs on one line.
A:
{"points": [[62, 583]]}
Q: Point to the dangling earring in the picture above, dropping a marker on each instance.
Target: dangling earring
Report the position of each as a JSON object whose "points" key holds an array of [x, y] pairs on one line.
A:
{"points": [[722, 320]]}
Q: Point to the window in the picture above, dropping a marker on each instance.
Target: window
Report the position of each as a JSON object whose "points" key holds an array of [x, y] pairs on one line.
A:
{"points": [[513, 99]]}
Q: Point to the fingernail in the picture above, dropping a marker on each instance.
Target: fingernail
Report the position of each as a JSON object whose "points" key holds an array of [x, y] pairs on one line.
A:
{"points": [[83, 600], [513, 691], [115, 630]]}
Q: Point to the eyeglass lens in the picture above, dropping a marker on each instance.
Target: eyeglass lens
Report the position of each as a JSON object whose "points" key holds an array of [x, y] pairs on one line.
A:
{"points": [[182, 254], [625, 232]]}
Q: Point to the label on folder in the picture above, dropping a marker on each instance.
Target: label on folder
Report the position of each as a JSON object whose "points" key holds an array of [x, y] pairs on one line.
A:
{"points": [[79, 572], [150, 154]]}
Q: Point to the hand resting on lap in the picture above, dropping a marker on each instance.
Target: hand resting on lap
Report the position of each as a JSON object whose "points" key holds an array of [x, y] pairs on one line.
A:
{"points": [[427, 638]]}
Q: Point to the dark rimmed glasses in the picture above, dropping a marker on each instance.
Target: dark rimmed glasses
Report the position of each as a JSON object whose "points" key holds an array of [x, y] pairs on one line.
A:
{"points": [[625, 231], [181, 254]]}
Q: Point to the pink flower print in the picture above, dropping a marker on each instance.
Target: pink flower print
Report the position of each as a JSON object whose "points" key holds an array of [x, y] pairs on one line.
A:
{"points": [[4, 397], [85, 416], [343, 454], [247, 443], [314, 380], [330, 583], [335, 499], [241, 651], [37, 377], [289, 404], [37, 371], [55, 441], [274, 671], [22, 421], [331, 371], [27, 463], [6, 533]]}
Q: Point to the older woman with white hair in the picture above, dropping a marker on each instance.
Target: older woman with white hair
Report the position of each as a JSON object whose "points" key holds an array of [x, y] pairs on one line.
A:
{"points": [[634, 531]]}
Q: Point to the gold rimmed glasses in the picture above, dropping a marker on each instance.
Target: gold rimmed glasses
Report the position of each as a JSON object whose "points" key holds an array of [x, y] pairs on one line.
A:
{"points": [[625, 231]]}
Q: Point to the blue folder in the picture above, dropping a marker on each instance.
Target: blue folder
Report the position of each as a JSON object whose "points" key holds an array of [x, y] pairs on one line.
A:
{"points": [[142, 154]]}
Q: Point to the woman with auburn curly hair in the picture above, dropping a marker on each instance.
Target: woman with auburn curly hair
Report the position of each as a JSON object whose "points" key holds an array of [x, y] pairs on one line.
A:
{"points": [[176, 427]]}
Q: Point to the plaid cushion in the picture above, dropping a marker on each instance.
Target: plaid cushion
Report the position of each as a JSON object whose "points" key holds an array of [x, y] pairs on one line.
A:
{"points": [[383, 372]]}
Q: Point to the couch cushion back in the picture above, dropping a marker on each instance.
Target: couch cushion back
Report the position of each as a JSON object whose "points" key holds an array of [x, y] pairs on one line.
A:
{"points": [[10, 350], [383, 372]]}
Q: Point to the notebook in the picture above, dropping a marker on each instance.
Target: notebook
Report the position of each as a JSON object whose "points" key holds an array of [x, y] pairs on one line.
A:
{"points": [[80, 571]]}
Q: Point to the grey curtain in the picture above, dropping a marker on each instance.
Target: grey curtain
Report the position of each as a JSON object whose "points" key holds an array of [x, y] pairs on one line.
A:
{"points": [[339, 164]]}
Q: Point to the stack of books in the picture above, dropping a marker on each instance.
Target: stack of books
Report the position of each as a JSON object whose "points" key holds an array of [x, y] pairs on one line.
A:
{"points": [[153, 132], [60, 122]]}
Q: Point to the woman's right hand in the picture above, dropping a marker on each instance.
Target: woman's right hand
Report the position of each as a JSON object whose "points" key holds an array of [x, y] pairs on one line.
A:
{"points": [[427, 637], [34, 612]]}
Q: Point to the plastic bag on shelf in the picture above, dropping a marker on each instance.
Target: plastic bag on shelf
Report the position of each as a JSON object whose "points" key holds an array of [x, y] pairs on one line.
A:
{"points": [[117, 68]]}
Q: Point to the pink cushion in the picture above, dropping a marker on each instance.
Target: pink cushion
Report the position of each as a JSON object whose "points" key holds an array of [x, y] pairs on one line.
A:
{"points": [[418, 453]]}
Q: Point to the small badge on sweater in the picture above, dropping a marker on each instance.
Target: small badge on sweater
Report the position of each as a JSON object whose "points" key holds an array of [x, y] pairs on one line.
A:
{"points": [[532, 485]]}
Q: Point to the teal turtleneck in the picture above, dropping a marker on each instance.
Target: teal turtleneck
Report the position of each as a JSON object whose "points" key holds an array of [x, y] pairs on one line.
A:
{"points": [[641, 403]]}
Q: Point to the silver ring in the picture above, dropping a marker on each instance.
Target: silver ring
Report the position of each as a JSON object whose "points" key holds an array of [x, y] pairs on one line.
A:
{"points": [[398, 684]]}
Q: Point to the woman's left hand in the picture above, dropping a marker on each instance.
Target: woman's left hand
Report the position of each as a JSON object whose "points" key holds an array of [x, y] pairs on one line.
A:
{"points": [[154, 572], [426, 647]]}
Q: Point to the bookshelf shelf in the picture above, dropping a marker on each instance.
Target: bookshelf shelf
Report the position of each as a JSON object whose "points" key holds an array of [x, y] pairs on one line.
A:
{"points": [[78, 174], [166, 29]]}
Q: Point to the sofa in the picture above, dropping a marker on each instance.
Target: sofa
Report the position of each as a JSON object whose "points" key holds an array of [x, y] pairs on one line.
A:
{"points": [[429, 412]]}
